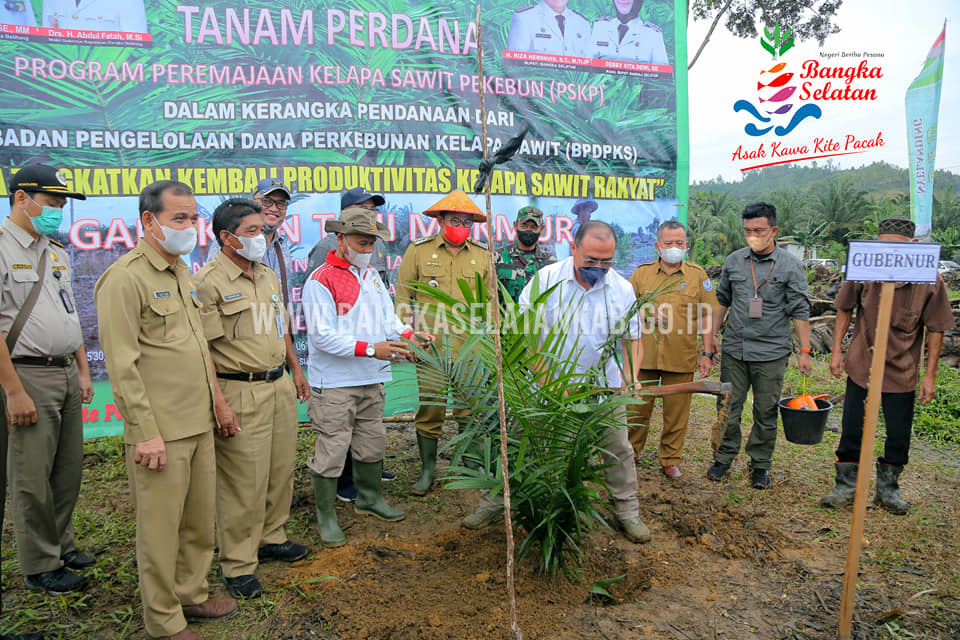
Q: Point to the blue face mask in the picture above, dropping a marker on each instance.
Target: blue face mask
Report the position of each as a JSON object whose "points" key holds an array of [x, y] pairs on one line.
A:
{"points": [[592, 275], [49, 219]]}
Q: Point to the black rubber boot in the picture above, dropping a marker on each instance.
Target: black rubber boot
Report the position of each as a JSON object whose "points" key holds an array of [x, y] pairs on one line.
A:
{"points": [[428, 465], [888, 489], [846, 486]]}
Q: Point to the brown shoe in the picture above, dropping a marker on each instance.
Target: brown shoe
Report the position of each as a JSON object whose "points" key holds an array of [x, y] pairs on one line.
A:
{"points": [[672, 471], [186, 634], [210, 610]]}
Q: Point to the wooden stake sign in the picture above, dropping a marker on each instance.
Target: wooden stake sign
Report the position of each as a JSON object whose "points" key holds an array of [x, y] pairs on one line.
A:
{"points": [[889, 263]]}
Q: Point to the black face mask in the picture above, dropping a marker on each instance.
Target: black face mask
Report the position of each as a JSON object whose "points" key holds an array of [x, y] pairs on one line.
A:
{"points": [[528, 238]]}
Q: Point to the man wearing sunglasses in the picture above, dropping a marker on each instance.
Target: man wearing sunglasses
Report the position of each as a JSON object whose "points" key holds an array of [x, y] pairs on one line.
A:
{"points": [[438, 261]]}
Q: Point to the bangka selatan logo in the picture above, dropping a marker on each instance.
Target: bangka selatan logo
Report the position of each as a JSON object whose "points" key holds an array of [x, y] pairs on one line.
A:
{"points": [[775, 109]]}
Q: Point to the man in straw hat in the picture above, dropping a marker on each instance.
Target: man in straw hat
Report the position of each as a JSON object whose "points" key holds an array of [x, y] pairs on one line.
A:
{"points": [[438, 261], [915, 306], [351, 324]]}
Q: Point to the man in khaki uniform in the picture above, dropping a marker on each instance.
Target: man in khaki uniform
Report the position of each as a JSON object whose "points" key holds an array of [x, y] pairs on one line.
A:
{"points": [[684, 301], [160, 370], [257, 450], [438, 261], [43, 371]]}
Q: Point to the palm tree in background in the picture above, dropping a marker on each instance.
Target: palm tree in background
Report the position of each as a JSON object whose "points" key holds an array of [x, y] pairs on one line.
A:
{"points": [[842, 206]]}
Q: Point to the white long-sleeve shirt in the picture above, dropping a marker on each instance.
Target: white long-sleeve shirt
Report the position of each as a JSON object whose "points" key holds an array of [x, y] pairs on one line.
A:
{"points": [[346, 309], [590, 315]]}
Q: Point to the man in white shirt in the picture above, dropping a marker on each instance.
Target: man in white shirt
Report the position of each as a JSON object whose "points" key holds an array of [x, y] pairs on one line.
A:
{"points": [[591, 301], [550, 26], [351, 324]]}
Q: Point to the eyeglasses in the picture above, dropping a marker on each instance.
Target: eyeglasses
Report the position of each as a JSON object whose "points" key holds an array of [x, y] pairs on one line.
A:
{"points": [[268, 203], [459, 222], [594, 262]]}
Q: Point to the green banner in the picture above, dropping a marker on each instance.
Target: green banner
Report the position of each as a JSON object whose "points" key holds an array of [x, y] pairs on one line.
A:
{"points": [[327, 97]]}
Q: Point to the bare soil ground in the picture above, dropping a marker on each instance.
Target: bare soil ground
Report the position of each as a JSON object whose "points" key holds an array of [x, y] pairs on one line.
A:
{"points": [[726, 561]]}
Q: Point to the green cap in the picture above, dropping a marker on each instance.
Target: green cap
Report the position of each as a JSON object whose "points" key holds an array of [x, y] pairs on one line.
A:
{"points": [[358, 220]]}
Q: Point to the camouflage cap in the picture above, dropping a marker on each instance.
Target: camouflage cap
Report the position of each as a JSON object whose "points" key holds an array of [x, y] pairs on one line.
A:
{"points": [[358, 220], [530, 213]]}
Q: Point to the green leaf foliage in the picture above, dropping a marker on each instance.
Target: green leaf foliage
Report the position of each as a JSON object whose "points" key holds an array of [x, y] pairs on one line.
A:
{"points": [[558, 416]]}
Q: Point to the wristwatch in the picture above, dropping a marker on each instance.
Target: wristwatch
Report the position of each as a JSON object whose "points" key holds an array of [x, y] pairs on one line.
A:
{"points": [[709, 354], [370, 351]]}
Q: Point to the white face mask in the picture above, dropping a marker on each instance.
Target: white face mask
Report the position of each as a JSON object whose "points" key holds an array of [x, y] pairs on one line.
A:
{"points": [[673, 255], [357, 259], [253, 248], [177, 242]]}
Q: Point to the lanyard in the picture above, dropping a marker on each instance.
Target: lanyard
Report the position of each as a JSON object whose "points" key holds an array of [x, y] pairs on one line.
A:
{"points": [[756, 287]]}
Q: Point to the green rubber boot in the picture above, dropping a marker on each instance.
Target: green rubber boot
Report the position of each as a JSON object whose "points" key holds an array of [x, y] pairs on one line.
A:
{"points": [[888, 489], [845, 488], [428, 465], [324, 496], [369, 483]]}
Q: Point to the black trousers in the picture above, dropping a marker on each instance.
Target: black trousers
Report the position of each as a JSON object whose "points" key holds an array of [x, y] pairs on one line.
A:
{"points": [[897, 414]]}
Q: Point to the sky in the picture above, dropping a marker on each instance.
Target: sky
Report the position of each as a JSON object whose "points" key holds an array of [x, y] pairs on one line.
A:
{"points": [[904, 31]]}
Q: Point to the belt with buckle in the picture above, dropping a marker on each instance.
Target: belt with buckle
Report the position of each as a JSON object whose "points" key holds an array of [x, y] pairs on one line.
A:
{"points": [[257, 376], [46, 361]]}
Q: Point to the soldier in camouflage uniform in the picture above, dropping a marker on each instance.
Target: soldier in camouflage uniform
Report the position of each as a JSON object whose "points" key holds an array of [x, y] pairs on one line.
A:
{"points": [[517, 262]]}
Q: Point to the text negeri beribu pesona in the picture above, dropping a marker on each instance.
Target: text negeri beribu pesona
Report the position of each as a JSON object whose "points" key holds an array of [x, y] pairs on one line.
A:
{"points": [[462, 318]]}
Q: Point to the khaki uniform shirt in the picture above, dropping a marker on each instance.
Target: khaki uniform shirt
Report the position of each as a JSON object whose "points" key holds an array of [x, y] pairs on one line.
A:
{"points": [[430, 262], [51, 329], [688, 294], [154, 346], [240, 316], [914, 306]]}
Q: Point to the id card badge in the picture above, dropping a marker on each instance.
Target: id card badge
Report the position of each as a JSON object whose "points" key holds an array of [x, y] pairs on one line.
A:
{"points": [[67, 302], [279, 317], [756, 308]]}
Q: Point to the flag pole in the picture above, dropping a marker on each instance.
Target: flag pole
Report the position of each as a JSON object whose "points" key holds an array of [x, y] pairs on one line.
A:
{"points": [[493, 300]]}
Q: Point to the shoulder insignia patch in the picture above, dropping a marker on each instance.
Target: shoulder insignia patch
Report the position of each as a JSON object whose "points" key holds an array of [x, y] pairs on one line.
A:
{"points": [[707, 285], [577, 13], [479, 243], [604, 19], [650, 25], [530, 8], [55, 243], [423, 240]]}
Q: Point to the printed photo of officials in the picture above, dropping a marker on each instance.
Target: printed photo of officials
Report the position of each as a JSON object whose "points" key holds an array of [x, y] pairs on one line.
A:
{"points": [[77, 15], [95, 15], [558, 27]]}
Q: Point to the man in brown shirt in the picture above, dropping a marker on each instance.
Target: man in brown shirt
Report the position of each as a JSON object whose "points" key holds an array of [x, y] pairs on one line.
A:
{"points": [[246, 326], [162, 379], [440, 261], [682, 301], [915, 306]]}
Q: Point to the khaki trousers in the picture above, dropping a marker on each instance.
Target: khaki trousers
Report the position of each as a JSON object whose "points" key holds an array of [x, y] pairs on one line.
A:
{"points": [[175, 514], [346, 418], [3, 462], [622, 472], [255, 471], [44, 465], [676, 415], [432, 409]]}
